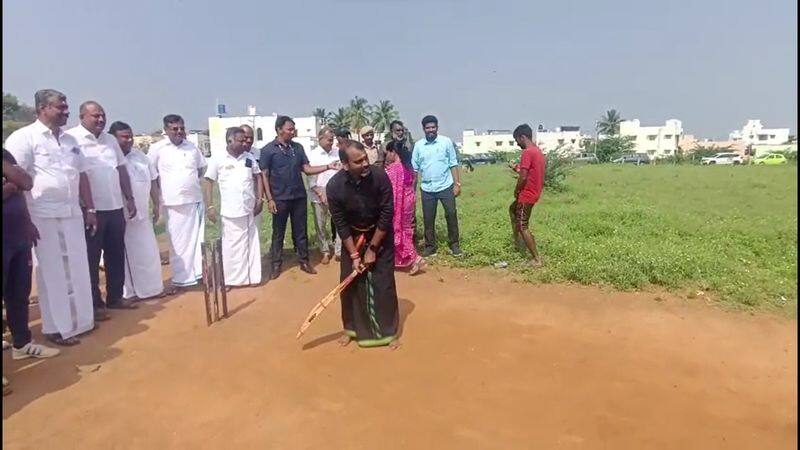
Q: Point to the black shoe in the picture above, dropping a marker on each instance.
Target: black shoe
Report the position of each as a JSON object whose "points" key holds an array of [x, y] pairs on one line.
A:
{"points": [[456, 250], [428, 252], [276, 272], [306, 267]]}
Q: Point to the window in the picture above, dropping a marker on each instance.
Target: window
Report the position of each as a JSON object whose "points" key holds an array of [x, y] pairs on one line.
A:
{"points": [[762, 137], [772, 136], [511, 143], [259, 135], [477, 144], [667, 152], [499, 143], [669, 136], [560, 142], [651, 137]]}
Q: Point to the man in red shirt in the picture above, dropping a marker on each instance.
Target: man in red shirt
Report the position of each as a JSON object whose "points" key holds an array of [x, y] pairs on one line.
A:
{"points": [[528, 189]]}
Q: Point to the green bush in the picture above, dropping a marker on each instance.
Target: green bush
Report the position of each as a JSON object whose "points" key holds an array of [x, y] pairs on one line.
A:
{"points": [[556, 171], [612, 147]]}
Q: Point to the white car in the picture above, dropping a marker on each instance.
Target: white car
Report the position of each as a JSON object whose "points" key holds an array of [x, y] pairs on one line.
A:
{"points": [[722, 158]]}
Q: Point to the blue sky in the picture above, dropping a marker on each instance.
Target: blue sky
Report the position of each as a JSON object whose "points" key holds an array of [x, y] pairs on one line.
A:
{"points": [[713, 64]]}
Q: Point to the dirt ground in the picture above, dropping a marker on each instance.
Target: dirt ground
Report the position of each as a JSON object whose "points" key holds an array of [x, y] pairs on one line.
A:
{"points": [[486, 363]]}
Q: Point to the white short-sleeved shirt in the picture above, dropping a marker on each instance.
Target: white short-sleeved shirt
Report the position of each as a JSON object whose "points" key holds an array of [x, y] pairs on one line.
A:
{"points": [[177, 167], [142, 172], [54, 165], [319, 157], [102, 156], [236, 185]]}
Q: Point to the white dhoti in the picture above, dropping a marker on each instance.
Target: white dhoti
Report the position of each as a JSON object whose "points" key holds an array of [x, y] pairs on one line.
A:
{"points": [[142, 261], [62, 277], [185, 226], [241, 251]]}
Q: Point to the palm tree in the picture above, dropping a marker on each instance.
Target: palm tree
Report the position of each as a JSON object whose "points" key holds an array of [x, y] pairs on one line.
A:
{"points": [[382, 115], [338, 119], [358, 113], [609, 124], [321, 114]]}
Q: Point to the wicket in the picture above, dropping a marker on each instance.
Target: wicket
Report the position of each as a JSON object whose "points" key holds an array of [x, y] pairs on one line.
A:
{"points": [[214, 281]]}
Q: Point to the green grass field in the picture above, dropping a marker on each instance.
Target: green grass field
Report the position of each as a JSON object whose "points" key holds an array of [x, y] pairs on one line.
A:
{"points": [[730, 231]]}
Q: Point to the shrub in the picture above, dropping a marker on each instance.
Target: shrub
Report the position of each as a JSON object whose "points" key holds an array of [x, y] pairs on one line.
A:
{"points": [[556, 171], [612, 147]]}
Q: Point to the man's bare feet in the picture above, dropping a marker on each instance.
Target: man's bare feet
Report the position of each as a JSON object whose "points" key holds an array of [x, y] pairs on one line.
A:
{"points": [[395, 344], [536, 263], [344, 340]]}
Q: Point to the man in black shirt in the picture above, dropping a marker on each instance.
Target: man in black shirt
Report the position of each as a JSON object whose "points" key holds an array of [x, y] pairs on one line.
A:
{"points": [[19, 234], [360, 201], [283, 162]]}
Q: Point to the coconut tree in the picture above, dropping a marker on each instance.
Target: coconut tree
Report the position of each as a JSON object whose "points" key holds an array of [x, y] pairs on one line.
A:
{"points": [[609, 123], [339, 118], [321, 114], [382, 115], [358, 113]]}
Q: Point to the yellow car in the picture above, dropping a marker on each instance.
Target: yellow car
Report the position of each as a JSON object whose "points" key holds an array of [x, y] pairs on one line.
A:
{"points": [[770, 159]]}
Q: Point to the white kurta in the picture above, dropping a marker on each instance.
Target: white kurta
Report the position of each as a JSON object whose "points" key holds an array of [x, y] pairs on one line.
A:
{"points": [[62, 270], [241, 250], [177, 166], [142, 258]]}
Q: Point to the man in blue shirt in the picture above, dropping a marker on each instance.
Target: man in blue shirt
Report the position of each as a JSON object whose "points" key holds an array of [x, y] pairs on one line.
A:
{"points": [[435, 162]]}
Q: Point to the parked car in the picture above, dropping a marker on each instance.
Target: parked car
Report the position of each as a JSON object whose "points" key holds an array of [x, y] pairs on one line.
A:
{"points": [[482, 158], [770, 159], [635, 158], [722, 158], [586, 158]]}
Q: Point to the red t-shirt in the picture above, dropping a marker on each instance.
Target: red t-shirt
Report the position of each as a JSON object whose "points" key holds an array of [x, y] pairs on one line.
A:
{"points": [[532, 160]]}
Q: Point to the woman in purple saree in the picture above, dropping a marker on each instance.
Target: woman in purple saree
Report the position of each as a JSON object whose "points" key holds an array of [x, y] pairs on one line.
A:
{"points": [[398, 168]]}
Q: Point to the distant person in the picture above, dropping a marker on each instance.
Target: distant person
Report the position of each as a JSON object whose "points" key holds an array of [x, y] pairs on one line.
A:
{"points": [[283, 162], [61, 207], [249, 141], [375, 153], [19, 235], [401, 175], [434, 159], [528, 189], [360, 199], [113, 200], [329, 242], [240, 199], [342, 137], [142, 257], [180, 165]]}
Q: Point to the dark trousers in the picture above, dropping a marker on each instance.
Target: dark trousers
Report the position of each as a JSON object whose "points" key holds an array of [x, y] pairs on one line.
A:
{"points": [[430, 201], [110, 240], [16, 290], [297, 210]]}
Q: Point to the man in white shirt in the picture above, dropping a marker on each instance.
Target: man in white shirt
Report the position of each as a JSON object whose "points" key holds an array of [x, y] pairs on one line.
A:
{"points": [[240, 198], [323, 155], [61, 208], [180, 164], [105, 167], [142, 258], [249, 140]]}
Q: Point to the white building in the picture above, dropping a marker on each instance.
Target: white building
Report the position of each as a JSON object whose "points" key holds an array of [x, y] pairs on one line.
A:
{"points": [[568, 138], [263, 130], [754, 133], [473, 143], [658, 141]]}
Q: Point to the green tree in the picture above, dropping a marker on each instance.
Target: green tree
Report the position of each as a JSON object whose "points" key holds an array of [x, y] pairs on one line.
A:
{"points": [[338, 119], [15, 114], [383, 113], [609, 123], [321, 114], [358, 113], [612, 147]]}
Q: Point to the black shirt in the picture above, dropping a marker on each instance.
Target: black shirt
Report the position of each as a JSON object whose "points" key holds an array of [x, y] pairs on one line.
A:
{"points": [[14, 215], [364, 203], [284, 166]]}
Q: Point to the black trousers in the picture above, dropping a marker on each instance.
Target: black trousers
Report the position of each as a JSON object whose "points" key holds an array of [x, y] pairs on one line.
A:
{"points": [[430, 202], [297, 210], [110, 240], [17, 265]]}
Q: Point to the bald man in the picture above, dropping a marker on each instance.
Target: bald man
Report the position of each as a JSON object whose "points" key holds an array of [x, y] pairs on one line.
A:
{"points": [[113, 198], [249, 136]]}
